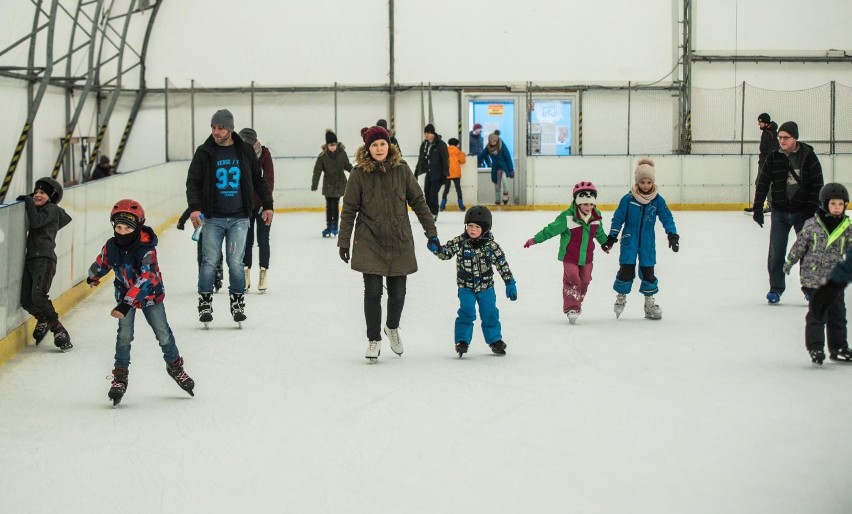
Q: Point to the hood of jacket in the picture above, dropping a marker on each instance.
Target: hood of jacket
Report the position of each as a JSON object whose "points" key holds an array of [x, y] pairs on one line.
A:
{"points": [[364, 161]]}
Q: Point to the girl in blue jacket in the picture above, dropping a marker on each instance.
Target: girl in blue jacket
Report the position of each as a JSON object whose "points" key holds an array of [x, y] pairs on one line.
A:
{"points": [[635, 218], [502, 166]]}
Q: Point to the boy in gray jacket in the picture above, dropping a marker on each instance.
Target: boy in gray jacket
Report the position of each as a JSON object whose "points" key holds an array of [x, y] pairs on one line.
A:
{"points": [[821, 243], [45, 218]]}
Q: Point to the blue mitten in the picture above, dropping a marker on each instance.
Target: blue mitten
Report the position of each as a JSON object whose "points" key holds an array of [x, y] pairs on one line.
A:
{"points": [[511, 290], [433, 244]]}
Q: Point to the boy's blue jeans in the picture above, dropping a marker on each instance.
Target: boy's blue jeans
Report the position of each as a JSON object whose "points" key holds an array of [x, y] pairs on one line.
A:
{"points": [[487, 301], [233, 232], [155, 315]]}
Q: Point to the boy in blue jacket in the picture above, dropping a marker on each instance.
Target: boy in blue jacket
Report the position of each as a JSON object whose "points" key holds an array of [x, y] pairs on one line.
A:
{"points": [[477, 253], [637, 213], [138, 285]]}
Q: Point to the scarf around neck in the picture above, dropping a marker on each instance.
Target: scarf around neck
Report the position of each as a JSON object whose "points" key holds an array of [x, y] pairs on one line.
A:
{"points": [[644, 198]]}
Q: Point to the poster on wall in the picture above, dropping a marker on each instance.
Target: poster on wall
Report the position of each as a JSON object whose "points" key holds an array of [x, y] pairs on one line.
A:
{"points": [[553, 119]]}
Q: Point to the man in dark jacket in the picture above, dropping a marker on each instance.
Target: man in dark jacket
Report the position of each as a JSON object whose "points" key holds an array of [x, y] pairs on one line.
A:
{"points": [[476, 142], [434, 162], [793, 174], [223, 177], [768, 144]]}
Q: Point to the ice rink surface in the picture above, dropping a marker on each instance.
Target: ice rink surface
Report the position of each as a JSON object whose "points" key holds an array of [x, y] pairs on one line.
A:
{"points": [[715, 408]]}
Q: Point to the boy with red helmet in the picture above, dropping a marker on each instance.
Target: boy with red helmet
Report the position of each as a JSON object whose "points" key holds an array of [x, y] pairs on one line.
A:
{"points": [[138, 285], [577, 227]]}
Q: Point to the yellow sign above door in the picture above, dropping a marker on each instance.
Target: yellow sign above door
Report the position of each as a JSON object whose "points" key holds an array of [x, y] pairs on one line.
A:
{"points": [[495, 110]]}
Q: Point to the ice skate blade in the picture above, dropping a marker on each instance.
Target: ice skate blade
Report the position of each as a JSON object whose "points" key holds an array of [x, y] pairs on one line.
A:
{"points": [[655, 318], [372, 360], [572, 321]]}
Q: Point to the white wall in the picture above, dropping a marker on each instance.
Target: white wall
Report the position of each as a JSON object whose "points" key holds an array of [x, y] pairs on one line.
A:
{"points": [[501, 42], [160, 190]]}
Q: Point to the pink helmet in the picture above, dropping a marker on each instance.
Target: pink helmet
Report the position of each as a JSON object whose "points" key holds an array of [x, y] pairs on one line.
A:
{"points": [[587, 186]]}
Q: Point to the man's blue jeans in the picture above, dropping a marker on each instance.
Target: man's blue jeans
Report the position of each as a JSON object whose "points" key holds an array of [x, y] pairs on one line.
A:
{"points": [[779, 233], [233, 232], [156, 317]]}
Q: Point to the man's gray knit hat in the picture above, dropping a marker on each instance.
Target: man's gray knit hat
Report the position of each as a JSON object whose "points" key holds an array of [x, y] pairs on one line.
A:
{"points": [[223, 118]]}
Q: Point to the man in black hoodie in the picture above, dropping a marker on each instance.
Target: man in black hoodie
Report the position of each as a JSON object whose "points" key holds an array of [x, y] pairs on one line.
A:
{"points": [[434, 162], [223, 177], [768, 144], [793, 174]]}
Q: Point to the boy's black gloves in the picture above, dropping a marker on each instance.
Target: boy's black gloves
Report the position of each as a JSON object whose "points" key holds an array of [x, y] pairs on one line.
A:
{"points": [[673, 242], [824, 297], [344, 255], [758, 216], [610, 240]]}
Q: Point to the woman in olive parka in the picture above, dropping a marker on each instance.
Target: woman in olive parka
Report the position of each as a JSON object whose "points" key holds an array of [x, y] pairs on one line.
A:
{"points": [[375, 230]]}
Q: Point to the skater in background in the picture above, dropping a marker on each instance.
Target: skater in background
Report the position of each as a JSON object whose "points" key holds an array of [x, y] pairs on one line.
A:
{"points": [[793, 175], [181, 225], [103, 169], [476, 143], [577, 228], [132, 253], [502, 167], [44, 219], [456, 159], [820, 245], [256, 222], [635, 219], [434, 162], [220, 184], [381, 187], [768, 144], [476, 254], [331, 163]]}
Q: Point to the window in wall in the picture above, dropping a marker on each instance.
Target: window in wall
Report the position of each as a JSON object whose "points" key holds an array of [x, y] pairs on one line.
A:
{"points": [[495, 115], [551, 127]]}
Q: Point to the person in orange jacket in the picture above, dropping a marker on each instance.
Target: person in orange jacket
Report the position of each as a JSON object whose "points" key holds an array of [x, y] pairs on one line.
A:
{"points": [[457, 158]]}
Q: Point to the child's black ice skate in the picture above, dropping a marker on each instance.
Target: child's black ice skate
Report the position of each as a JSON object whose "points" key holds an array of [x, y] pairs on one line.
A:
{"points": [[118, 386], [841, 355], [175, 370], [817, 356], [238, 306], [60, 337], [40, 331], [499, 348], [205, 308], [461, 348]]}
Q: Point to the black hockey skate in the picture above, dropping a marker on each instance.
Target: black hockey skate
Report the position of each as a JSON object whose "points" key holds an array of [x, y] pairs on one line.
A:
{"points": [[817, 356], [40, 331], [60, 337], [461, 348], [205, 308], [175, 370], [841, 355], [499, 348], [119, 385], [238, 307]]}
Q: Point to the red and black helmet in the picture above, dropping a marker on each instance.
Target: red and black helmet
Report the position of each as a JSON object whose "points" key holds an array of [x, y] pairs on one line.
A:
{"points": [[127, 210]]}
